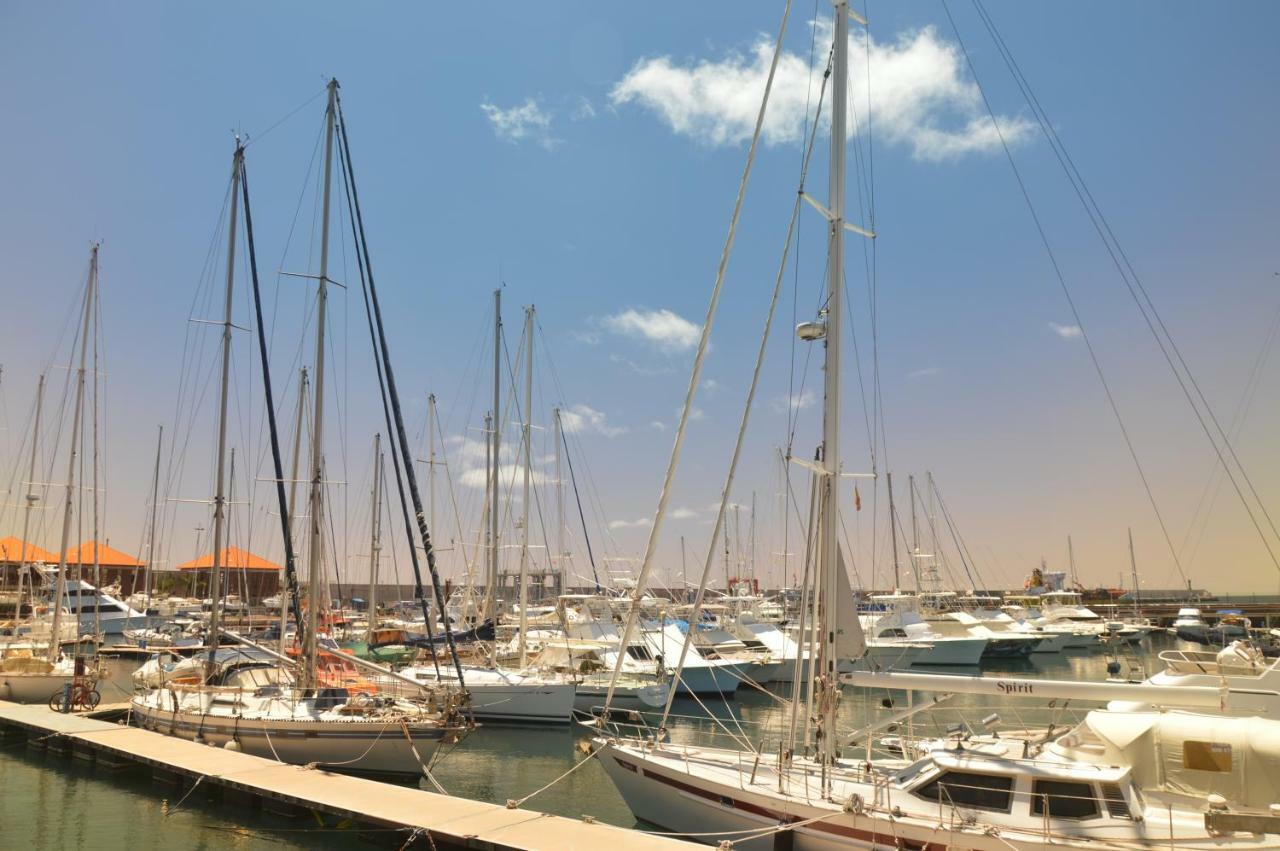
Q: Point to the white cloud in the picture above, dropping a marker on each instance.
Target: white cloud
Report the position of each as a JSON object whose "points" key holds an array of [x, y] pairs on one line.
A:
{"points": [[921, 97], [696, 414], [584, 419], [923, 373], [508, 475], [526, 122], [664, 329], [1066, 332], [794, 401], [639, 523], [683, 513], [658, 425], [583, 109]]}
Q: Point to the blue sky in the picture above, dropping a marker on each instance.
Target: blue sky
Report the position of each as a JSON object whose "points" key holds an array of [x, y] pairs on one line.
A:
{"points": [[587, 155]]}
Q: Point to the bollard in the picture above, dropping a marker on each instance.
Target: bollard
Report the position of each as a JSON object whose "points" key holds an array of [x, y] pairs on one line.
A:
{"points": [[66, 698]]}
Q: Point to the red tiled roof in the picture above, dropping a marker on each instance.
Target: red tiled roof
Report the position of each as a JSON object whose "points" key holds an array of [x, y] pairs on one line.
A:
{"points": [[233, 558]]}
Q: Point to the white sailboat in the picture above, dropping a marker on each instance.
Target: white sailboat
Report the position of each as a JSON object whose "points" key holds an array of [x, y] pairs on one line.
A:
{"points": [[273, 707], [24, 677], [1120, 779]]}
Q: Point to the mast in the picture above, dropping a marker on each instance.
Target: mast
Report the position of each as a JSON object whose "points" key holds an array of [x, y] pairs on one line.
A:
{"points": [[375, 536], [293, 501], [893, 531], [915, 531], [151, 533], [490, 590], [828, 552], [528, 469], [561, 571], [1133, 566], [60, 589], [496, 437], [219, 497], [97, 532], [1071, 558], [316, 552], [431, 459], [31, 500]]}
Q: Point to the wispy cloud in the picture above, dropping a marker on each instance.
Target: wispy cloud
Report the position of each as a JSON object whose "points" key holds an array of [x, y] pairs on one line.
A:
{"points": [[658, 425], [1066, 332], [683, 513], [922, 99], [664, 329], [639, 523], [923, 373], [582, 109], [584, 419], [794, 401], [525, 122]]}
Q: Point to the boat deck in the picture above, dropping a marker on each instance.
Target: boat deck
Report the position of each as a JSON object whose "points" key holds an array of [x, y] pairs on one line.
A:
{"points": [[449, 822]]}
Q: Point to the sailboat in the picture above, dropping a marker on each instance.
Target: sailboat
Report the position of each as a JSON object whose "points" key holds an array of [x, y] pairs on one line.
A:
{"points": [[265, 703], [523, 694], [24, 677], [1119, 779]]}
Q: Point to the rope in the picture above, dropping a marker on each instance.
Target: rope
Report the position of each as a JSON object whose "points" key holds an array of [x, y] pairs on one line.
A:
{"points": [[404, 726], [695, 376], [514, 803]]}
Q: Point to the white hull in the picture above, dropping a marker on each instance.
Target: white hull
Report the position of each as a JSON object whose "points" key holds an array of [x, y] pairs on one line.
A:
{"points": [[712, 679], [509, 696], [644, 698], [953, 652], [706, 794], [31, 688], [354, 745]]}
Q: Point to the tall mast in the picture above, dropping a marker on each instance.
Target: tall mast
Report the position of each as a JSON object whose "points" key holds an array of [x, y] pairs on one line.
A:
{"points": [[562, 572], [490, 584], [293, 501], [893, 531], [31, 500], [828, 552], [431, 459], [94, 464], [316, 551], [528, 469], [496, 436], [375, 537], [915, 531], [60, 590], [151, 533], [219, 494]]}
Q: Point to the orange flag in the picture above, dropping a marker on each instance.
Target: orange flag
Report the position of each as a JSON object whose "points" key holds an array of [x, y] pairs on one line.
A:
{"points": [[857, 499]]}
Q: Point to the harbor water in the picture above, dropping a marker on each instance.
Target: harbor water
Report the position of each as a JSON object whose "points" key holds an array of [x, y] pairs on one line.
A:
{"points": [[51, 802]]}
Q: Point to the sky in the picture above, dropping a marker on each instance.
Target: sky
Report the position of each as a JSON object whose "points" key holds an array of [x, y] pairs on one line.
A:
{"points": [[585, 158]]}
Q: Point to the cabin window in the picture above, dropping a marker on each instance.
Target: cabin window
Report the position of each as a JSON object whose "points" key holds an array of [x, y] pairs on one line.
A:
{"points": [[1065, 800], [893, 632], [638, 651], [967, 789]]}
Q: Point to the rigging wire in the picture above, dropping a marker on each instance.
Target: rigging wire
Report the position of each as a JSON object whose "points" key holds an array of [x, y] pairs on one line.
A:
{"points": [[1071, 304], [1138, 292]]}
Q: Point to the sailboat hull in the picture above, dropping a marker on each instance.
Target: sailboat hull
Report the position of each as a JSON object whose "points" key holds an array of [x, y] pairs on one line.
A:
{"points": [[351, 746], [31, 688]]}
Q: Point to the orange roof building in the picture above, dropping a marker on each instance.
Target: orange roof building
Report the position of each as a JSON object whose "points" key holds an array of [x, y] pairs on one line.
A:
{"points": [[233, 558], [83, 556], [11, 552]]}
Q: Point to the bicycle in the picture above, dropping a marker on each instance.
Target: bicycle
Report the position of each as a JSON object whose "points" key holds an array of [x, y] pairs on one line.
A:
{"points": [[83, 697]]}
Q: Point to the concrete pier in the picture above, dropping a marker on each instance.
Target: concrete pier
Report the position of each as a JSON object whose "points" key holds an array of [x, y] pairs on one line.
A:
{"points": [[433, 820]]}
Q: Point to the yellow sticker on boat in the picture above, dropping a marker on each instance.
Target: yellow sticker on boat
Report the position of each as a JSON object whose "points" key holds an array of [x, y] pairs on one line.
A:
{"points": [[1206, 756]]}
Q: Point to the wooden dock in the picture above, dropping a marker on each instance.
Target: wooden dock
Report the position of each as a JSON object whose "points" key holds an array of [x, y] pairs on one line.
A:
{"points": [[402, 816]]}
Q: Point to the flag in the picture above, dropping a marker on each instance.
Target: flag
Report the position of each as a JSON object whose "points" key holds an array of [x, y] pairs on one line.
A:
{"points": [[857, 499]]}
